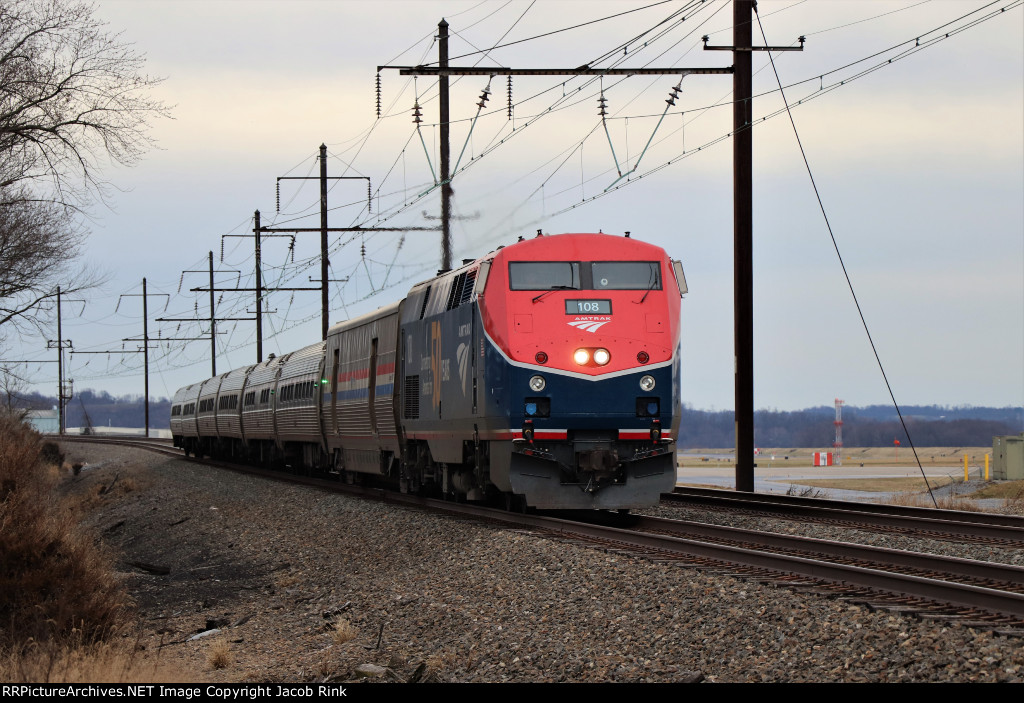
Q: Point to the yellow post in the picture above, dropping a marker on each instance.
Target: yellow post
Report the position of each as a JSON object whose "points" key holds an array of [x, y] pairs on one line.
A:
{"points": [[986, 467], [965, 467]]}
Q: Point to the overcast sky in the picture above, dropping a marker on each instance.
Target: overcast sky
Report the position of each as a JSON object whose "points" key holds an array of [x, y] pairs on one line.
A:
{"points": [[920, 166]]}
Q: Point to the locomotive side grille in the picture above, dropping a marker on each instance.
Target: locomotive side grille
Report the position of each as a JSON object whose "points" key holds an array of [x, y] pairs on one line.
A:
{"points": [[456, 291], [462, 289], [467, 287], [412, 397], [426, 298]]}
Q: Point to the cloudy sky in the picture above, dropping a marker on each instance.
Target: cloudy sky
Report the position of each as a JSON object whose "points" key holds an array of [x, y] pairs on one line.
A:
{"points": [[919, 162]]}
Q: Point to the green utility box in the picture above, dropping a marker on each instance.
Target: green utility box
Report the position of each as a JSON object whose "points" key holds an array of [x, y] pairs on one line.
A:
{"points": [[1008, 457]]}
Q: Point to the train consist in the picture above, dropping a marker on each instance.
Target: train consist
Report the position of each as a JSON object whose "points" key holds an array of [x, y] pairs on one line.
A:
{"points": [[545, 374]]}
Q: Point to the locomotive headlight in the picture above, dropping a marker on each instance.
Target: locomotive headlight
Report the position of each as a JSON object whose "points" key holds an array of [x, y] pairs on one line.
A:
{"points": [[581, 356], [602, 357], [537, 383], [647, 383]]}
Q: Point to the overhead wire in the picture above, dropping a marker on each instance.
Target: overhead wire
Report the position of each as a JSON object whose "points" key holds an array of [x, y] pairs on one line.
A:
{"points": [[842, 264], [704, 146]]}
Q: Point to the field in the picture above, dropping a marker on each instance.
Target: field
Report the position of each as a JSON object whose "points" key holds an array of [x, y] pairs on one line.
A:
{"points": [[852, 456]]}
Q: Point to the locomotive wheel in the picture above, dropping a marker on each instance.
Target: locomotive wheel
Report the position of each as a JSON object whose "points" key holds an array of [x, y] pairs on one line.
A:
{"points": [[515, 503]]}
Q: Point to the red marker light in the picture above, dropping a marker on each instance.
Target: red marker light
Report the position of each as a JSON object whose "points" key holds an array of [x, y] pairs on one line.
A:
{"points": [[643, 357], [541, 357]]}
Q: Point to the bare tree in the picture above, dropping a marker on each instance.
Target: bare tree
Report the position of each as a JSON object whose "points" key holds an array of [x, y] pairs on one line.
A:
{"points": [[38, 244], [73, 98], [12, 394]]}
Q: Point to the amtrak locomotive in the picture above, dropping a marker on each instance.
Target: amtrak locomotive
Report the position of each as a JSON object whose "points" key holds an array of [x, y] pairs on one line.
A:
{"points": [[545, 374]]}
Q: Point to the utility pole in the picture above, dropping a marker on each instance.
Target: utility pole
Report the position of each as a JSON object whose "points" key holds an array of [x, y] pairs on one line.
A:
{"points": [[743, 231], [63, 394], [259, 291], [60, 370], [742, 190], [444, 70], [324, 229], [324, 316], [213, 319], [446, 179], [145, 340], [213, 326], [145, 347], [273, 232], [743, 235]]}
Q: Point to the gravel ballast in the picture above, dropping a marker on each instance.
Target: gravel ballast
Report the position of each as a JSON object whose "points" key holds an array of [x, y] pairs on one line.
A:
{"points": [[287, 573]]}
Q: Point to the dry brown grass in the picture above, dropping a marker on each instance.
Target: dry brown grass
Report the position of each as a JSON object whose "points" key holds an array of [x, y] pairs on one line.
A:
{"points": [[219, 654], [74, 662], [952, 457], [923, 500], [1007, 490], [56, 584], [880, 485], [344, 631]]}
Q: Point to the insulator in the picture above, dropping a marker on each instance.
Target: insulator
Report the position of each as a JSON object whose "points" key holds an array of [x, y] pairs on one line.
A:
{"points": [[510, 97], [484, 97], [417, 113], [279, 197], [369, 196], [601, 104], [362, 250], [378, 93], [221, 250]]}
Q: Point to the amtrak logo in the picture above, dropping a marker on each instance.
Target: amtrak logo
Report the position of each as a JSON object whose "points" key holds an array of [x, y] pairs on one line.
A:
{"points": [[589, 324], [463, 356]]}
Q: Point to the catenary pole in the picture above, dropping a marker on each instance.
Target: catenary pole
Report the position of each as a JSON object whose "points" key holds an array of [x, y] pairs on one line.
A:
{"points": [[446, 186], [743, 228]]}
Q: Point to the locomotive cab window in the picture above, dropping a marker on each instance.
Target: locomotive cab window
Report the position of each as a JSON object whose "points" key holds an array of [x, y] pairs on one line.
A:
{"points": [[626, 275], [543, 275]]}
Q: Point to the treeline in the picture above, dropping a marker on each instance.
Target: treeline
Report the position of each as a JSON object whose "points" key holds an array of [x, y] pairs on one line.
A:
{"points": [[871, 426], [105, 410]]}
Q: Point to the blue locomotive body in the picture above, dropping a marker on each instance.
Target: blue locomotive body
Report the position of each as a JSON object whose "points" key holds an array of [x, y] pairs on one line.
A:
{"points": [[546, 374]]}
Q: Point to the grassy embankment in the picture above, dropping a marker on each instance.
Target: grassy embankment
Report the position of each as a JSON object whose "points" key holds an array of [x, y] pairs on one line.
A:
{"points": [[63, 615]]}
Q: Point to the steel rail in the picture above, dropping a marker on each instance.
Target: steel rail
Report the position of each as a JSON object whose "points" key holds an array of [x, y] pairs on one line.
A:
{"points": [[992, 600], [960, 594], [954, 566], [956, 523]]}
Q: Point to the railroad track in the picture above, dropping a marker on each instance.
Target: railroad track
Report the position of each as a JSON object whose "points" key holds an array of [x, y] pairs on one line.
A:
{"points": [[981, 528], [973, 592]]}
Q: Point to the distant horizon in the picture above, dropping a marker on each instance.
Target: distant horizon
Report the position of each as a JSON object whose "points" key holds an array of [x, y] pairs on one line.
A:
{"points": [[686, 406]]}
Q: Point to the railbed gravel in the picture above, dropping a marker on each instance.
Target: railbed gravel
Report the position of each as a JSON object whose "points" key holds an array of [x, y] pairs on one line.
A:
{"points": [[275, 567], [964, 549]]}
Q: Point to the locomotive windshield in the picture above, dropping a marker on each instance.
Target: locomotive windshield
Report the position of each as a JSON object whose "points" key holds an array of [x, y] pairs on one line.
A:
{"points": [[544, 275], [587, 275], [626, 275]]}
